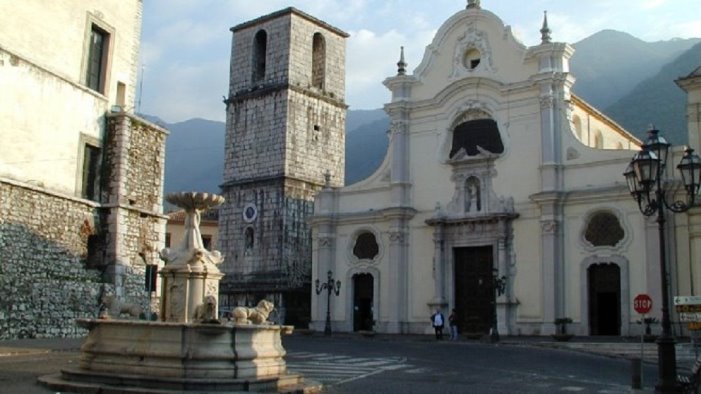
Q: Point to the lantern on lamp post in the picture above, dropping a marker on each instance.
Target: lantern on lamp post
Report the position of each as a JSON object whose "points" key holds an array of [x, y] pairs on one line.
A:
{"points": [[645, 176], [330, 286]]}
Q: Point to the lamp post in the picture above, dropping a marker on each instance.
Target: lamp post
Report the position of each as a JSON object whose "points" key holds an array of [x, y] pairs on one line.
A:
{"points": [[653, 194], [499, 285], [331, 287]]}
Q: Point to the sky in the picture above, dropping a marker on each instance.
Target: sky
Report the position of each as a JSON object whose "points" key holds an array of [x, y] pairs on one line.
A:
{"points": [[186, 44]]}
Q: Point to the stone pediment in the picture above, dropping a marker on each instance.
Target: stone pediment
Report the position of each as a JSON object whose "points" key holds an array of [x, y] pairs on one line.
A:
{"points": [[468, 29]]}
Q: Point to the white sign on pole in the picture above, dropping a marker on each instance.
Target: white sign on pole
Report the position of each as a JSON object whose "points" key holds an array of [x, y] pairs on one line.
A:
{"points": [[687, 300], [688, 317]]}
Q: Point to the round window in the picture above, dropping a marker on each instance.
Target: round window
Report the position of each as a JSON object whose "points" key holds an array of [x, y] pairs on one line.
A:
{"points": [[472, 58], [250, 213]]}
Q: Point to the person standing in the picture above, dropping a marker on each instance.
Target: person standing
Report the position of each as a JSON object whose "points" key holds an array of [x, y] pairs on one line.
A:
{"points": [[453, 323], [438, 321]]}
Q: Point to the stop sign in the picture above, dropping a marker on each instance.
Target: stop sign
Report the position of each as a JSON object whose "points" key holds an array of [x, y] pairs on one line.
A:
{"points": [[642, 303]]}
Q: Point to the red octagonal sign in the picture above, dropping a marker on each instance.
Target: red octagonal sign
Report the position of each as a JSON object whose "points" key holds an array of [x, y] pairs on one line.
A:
{"points": [[642, 303]]}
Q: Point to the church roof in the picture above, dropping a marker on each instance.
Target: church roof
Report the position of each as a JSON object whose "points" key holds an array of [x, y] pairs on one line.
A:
{"points": [[695, 73]]}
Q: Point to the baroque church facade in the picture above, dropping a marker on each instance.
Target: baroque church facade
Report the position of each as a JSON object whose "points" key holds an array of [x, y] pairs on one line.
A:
{"points": [[501, 196]]}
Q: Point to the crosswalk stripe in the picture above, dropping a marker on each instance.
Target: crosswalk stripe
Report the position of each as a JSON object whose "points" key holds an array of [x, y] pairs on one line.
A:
{"points": [[332, 369]]}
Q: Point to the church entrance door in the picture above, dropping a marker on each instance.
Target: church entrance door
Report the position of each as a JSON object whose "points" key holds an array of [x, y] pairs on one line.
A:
{"points": [[474, 289], [362, 302], [604, 299]]}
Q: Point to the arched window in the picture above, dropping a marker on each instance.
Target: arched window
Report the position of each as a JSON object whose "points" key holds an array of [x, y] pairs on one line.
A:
{"points": [[577, 121], [604, 229], [249, 238], [598, 140], [366, 246], [472, 58], [260, 44], [318, 61], [470, 135]]}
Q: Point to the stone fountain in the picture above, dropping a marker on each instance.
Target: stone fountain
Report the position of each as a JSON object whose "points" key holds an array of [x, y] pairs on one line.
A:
{"points": [[188, 349]]}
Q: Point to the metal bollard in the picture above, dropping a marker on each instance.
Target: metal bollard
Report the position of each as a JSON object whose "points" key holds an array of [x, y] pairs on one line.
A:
{"points": [[637, 369]]}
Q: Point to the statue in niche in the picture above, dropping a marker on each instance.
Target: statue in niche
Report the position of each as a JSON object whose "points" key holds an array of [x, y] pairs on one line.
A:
{"points": [[472, 195]]}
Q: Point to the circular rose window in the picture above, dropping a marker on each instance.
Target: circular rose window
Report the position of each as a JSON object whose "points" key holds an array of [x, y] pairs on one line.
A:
{"points": [[250, 213]]}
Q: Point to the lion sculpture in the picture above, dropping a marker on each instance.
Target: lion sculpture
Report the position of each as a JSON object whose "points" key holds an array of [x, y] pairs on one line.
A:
{"points": [[112, 307], [257, 315], [206, 312]]}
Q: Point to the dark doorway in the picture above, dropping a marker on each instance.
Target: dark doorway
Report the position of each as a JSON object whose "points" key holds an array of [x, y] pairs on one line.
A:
{"points": [[362, 302], [474, 289], [604, 299]]}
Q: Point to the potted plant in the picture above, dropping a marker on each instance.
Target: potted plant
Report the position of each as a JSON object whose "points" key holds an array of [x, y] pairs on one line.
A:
{"points": [[648, 322], [561, 333]]}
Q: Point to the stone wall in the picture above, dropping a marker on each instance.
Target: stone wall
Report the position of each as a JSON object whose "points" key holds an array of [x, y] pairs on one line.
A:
{"points": [[60, 254], [44, 282], [133, 191]]}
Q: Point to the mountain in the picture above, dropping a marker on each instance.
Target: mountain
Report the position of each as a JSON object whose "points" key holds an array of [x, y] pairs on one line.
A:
{"points": [[659, 100], [194, 156], [609, 64], [366, 146], [360, 117]]}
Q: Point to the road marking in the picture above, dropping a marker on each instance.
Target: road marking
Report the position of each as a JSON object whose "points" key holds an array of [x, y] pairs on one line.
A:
{"points": [[335, 370]]}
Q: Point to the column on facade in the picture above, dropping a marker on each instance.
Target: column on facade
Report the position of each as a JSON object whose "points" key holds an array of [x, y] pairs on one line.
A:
{"points": [[439, 300], [553, 269], [399, 229], [502, 301], [398, 274], [554, 85]]}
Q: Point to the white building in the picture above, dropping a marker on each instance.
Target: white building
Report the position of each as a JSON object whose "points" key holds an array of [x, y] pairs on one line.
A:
{"points": [[81, 177], [495, 169]]}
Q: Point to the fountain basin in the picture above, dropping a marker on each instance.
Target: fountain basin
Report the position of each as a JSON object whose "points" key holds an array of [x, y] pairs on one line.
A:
{"points": [[138, 355]]}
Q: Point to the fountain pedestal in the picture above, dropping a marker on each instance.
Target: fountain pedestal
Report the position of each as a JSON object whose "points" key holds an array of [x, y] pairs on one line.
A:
{"points": [[190, 274], [187, 349]]}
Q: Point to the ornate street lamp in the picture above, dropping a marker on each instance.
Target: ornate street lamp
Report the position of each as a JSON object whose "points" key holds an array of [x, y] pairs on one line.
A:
{"points": [[644, 176], [331, 287], [499, 285]]}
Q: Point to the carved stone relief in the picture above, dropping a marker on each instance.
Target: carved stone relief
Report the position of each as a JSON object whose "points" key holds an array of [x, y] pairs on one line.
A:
{"points": [[472, 39], [473, 193]]}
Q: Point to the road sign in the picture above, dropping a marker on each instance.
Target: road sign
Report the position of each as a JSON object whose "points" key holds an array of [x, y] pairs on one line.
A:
{"points": [[688, 308], [642, 303], [690, 317], [687, 300]]}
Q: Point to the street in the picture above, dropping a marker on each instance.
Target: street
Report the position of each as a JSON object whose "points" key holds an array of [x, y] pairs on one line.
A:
{"points": [[398, 364], [371, 365]]}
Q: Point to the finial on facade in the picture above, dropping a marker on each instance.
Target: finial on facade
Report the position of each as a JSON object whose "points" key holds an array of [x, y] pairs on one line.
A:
{"points": [[473, 4], [545, 30], [327, 178], [401, 64]]}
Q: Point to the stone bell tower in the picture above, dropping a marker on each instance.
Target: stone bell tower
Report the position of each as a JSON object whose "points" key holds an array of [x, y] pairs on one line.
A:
{"points": [[285, 131]]}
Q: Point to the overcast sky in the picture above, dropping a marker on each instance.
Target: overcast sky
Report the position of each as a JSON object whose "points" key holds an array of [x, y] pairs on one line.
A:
{"points": [[186, 44]]}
